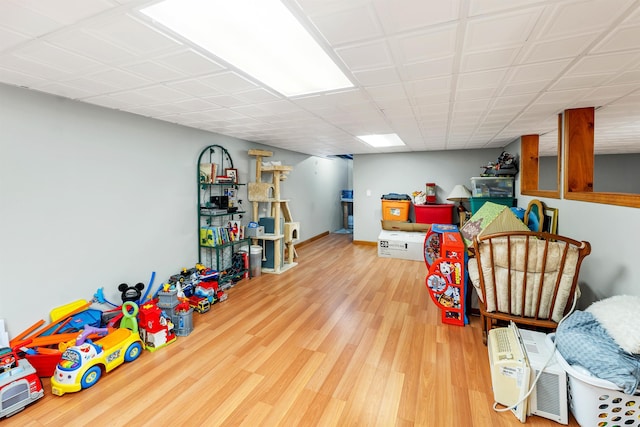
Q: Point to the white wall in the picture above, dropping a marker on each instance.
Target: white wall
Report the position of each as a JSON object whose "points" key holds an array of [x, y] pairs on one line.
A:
{"points": [[613, 267], [407, 172], [91, 198]]}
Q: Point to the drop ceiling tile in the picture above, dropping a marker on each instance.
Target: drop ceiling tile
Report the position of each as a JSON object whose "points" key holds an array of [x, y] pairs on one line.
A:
{"points": [[132, 98], [256, 95], [118, 78], [19, 78], [546, 71], [555, 49], [190, 62], [627, 77], [32, 68], [134, 34], [348, 25], [153, 70], [500, 31], [429, 86], [9, 38], [479, 105], [474, 94], [426, 45], [403, 15], [514, 100], [493, 6], [578, 82], [601, 64], [228, 82], [225, 100], [62, 89], [375, 77], [20, 19], [366, 56], [161, 93], [82, 41], [622, 39], [56, 57], [498, 58], [523, 88], [90, 86], [481, 79], [430, 99], [595, 15], [67, 11], [428, 69], [193, 87]]}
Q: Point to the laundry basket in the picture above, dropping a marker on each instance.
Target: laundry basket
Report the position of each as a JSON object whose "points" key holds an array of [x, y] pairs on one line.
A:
{"points": [[597, 402]]}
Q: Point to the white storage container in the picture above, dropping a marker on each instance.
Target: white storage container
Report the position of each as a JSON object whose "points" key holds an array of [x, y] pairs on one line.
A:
{"points": [[597, 402]]}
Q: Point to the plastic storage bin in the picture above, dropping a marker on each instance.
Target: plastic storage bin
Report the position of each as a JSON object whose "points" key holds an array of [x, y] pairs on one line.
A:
{"points": [[597, 402], [477, 202], [434, 214], [395, 210], [492, 186]]}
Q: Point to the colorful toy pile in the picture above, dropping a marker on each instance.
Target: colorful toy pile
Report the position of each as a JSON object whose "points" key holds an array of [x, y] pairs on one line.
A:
{"points": [[83, 342]]}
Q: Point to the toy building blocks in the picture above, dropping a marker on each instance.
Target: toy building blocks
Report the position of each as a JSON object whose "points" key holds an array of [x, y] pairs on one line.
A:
{"points": [[19, 383]]}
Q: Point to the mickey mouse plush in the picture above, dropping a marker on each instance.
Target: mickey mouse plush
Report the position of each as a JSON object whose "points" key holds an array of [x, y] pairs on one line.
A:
{"points": [[131, 293]]}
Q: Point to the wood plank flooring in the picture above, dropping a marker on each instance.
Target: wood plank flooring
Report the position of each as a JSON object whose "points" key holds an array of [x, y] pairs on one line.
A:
{"points": [[343, 339]]}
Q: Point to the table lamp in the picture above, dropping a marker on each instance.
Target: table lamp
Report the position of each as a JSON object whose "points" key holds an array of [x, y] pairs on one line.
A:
{"points": [[459, 194]]}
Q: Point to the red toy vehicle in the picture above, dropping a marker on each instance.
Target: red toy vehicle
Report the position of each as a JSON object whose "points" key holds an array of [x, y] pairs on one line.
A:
{"points": [[19, 383]]}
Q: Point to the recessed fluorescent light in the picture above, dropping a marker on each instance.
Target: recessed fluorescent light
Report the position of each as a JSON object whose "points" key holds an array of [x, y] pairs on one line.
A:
{"points": [[260, 37], [388, 140]]}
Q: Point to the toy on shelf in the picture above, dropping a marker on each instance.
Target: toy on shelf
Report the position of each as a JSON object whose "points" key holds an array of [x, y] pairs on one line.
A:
{"points": [[19, 383], [445, 257], [82, 364]]}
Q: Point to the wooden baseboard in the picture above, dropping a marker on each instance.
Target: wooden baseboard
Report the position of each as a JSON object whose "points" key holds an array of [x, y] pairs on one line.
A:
{"points": [[365, 243], [312, 239]]}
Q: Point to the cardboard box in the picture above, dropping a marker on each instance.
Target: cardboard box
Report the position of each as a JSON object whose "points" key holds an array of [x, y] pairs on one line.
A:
{"points": [[404, 226], [401, 244]]}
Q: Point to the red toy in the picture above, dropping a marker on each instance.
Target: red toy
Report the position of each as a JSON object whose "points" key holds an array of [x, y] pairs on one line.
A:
{"points": [[444, 255], [155, 329], [19, 383]]}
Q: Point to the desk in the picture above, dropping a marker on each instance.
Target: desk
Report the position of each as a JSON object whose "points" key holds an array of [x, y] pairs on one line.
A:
{"points": [[347, 205]]}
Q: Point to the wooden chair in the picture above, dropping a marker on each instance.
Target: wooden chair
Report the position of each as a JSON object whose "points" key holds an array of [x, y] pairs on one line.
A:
{"points": [[529, 277]]}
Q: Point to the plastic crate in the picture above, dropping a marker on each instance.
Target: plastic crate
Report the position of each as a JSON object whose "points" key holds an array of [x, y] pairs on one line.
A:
{"points": [[434, 214], [395, 210], [477, 202], [597, 402], [492, 186]]}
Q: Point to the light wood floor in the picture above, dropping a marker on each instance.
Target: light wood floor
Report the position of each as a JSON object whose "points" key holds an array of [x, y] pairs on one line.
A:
{"points": [[343, 339]]}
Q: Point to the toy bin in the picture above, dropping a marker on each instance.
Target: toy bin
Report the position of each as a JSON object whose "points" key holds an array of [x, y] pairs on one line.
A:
{"points": [[486, 186], [597, 402], [395, 210], [434, 214], [477, 202]]}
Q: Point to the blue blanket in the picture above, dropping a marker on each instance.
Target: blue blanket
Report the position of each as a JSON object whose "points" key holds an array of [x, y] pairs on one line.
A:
{"points": [[583, 341]]}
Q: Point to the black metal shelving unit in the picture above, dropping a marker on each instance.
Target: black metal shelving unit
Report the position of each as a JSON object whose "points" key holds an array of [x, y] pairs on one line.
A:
{"points": [[213, 254]]}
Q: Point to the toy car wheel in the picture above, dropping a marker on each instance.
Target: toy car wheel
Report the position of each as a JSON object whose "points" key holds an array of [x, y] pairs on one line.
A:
{"points": [[91, 376], [133, 352]]}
